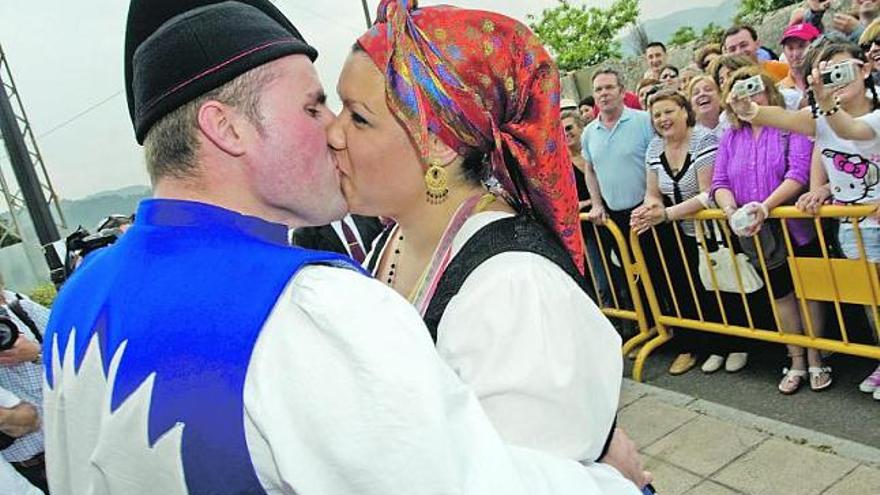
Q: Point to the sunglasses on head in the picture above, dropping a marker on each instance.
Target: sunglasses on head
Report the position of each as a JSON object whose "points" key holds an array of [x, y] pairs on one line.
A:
{"points": [[866, 47]]}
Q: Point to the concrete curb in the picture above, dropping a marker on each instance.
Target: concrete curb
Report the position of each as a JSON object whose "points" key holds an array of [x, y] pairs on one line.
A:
{"points": [[802, 436]]}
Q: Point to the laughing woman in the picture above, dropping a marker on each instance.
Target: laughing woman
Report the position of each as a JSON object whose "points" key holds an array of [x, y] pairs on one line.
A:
{"points": [[680, 163], [451, 127]]}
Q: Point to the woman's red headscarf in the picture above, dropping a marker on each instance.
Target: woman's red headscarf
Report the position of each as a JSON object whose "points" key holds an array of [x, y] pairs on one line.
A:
{"points": [[481, 81]]}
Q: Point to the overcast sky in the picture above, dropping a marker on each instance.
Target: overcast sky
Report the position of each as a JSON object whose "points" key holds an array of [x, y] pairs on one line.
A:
{"points": [[66, 59]]}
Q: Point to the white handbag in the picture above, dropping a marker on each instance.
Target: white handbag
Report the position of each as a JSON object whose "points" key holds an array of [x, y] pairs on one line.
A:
{"points": [[725, 273], [721, 261]]}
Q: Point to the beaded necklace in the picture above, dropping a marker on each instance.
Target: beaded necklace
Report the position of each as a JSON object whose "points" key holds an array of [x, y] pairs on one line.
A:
{"points": [[423, 290]]}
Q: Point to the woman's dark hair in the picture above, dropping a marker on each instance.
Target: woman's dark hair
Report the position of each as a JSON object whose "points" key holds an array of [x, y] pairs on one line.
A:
{"points": [[475, 167], [677, 98], [854, 50]]}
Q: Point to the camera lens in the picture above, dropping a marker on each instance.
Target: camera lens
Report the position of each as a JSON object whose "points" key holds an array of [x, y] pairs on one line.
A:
{"points": [[8, 333]]}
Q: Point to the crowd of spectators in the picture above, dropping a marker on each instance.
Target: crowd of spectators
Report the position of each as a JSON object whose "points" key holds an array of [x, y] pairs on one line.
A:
{"points": [[696, 143]]}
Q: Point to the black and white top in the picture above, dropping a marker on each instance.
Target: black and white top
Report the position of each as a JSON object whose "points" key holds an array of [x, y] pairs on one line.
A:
{"points": [[683, 185]]}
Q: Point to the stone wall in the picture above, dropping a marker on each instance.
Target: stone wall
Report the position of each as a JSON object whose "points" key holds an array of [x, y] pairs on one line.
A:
{"points": [[770, 27]]}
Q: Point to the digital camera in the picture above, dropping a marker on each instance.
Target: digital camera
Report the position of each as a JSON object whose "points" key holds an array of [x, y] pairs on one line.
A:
{"points": [[748, 87], [840, 74], [8, 331]]}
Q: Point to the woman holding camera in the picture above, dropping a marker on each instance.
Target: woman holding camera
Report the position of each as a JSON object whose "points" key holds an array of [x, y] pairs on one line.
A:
{"points": [[763, 167], [846, 125]]}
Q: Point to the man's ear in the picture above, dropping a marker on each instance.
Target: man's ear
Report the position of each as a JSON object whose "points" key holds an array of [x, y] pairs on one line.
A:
{"points": [[440, 151], [222, 125]]}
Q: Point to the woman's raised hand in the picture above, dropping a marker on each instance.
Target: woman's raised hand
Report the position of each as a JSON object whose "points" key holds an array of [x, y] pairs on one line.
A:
{"points": [[743, 107]]}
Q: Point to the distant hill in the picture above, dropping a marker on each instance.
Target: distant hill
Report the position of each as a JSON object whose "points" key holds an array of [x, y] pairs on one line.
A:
{"points": [[662, 28], [92, 209]]}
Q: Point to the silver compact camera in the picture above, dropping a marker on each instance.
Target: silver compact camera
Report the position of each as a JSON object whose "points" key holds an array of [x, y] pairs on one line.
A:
{"points": [[840, 74], [748, 87]]}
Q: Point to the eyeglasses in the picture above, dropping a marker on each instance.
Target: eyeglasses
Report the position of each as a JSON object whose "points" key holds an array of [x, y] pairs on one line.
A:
{"points": [[866, 47]]}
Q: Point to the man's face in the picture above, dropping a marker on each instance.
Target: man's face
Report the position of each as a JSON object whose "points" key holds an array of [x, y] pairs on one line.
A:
{"points": [[292, 173], [607, 92], [795, 49], [656, 57], [742, 43]]}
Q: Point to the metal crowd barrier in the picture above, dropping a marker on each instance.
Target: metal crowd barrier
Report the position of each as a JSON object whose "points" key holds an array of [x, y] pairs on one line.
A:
{"points": [[632, 309], [827, 279]]}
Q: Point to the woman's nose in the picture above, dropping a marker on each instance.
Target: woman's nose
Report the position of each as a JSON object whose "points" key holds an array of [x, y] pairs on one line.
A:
{"points": [[335, 134]]}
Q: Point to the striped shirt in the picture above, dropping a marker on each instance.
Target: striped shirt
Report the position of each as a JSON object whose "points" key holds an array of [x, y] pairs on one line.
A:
{"points": [[701, 154], [25, 380]]}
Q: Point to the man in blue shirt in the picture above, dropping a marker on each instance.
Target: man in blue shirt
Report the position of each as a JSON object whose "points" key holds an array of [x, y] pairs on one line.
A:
{"points": [[614, 147]]}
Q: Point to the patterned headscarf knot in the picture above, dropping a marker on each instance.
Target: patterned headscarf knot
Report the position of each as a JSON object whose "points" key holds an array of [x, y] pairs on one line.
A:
{"points": [[481, 81]]}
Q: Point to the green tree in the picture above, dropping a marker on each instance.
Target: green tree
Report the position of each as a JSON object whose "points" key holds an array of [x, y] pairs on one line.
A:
{"points": [[580, 36], [712, 33], [44, 295], [683, 36], [761, 7]]}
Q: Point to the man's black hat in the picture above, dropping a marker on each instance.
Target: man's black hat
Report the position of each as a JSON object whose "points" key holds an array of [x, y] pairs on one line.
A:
{"points": [[178, 50]]}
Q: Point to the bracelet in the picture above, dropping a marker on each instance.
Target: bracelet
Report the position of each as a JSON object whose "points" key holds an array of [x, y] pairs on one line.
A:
{"points": [[831, 111]]}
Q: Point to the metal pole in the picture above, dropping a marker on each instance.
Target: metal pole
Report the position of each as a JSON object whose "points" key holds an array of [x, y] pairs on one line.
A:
{"points": [[28, 181], [367, 14]]}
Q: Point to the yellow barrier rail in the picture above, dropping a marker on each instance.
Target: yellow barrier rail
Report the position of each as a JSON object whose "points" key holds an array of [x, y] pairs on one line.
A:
{"points": [[824, 279], [631, 273]]}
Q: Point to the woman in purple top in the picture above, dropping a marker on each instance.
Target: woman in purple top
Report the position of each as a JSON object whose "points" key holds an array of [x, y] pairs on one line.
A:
{"points": [[771, 167]]}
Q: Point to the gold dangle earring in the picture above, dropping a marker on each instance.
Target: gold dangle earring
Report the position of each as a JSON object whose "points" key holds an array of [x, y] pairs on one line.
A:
{"points": [[436, 183]]}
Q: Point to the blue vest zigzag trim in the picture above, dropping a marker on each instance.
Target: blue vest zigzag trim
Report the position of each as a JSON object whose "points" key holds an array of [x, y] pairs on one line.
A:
{"points": [[189, 287]]}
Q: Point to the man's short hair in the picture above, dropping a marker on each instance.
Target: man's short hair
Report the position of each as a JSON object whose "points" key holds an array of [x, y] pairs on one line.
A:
{"points": [[736, 29], [171, 144], [655, 43], [588, 100], [608, 71]]}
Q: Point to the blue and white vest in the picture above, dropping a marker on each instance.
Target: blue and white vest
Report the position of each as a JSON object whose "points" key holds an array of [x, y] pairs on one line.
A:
{"points": [[188, 289]]}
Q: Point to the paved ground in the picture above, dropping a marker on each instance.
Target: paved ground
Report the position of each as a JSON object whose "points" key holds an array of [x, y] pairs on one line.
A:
{"points": [[697, 447], [841, 411]]}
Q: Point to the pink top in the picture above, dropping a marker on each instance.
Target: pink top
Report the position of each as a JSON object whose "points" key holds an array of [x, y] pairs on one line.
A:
{"points": [[752, 168]]}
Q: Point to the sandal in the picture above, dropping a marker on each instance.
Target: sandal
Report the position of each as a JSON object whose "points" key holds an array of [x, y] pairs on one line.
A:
{"points": [[792, 381], [820, 377]]}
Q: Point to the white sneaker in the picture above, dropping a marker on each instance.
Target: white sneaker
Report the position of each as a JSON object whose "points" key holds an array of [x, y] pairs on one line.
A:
{"points": [[877, 394], [736, 361], [713, 363]]}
